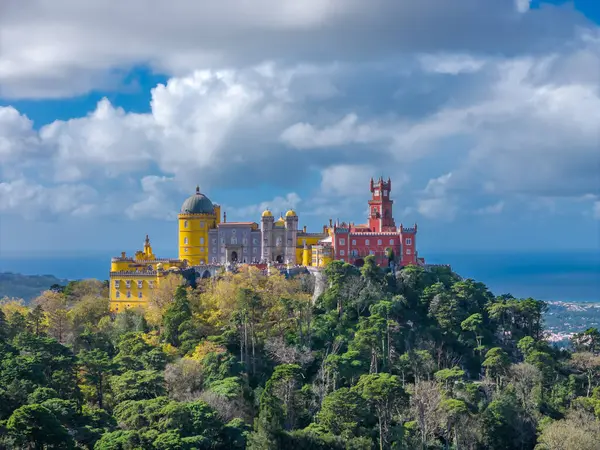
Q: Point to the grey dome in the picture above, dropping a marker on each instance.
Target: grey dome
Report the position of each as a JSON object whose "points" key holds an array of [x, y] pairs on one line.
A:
{"points": [[197, 204]]}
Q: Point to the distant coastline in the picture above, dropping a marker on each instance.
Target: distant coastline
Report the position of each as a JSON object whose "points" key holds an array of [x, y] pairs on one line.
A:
{"points": [[551, 276]]}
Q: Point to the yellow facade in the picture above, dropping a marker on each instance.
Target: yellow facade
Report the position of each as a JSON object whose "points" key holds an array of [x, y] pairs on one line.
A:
{"points": [[193, 237], [321, 255], [132, 279], [310, 239]]}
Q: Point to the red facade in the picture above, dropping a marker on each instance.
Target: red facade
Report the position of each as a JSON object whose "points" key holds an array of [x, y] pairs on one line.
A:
{"points": [[352, 243]]}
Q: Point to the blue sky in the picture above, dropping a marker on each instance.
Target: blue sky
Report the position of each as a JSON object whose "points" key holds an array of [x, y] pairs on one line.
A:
{"points": [[484, 114]]}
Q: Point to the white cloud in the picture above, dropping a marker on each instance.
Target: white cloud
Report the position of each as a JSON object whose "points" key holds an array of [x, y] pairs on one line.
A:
{"points": [[347, 131], [436, 208], [522, 5], [526, 126], [496, 208], [451, 64], [34, 201], [156, 200], [346, 180], [277, 205], [60, 48]]}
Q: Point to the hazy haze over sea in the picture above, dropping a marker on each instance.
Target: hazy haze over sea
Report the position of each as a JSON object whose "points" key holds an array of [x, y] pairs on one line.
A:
{"points": [[567, 276]]}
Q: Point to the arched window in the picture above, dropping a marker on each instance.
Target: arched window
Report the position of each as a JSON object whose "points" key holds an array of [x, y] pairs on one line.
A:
{"points": [[185, 240], [366, 242], [234, 240], [391, 242], [201, 241], [185, 224]]}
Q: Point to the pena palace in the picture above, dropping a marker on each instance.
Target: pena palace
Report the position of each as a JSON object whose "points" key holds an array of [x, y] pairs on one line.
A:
{"points": [[208, 243]]}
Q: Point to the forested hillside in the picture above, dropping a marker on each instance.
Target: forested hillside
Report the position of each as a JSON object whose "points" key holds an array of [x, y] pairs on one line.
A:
{"points": [[26, 287], [421, 360]]}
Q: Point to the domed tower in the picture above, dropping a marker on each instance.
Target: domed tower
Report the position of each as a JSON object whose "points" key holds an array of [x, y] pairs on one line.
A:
{"points": [[197, 216], [291, 236], [266, 227]]}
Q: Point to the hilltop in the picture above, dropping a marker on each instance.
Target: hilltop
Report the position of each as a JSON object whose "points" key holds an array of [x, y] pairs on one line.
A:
{"points": [[27, 287]]}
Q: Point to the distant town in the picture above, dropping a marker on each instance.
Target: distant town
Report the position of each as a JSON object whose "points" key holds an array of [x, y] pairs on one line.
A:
{"points": [[563, 319]]}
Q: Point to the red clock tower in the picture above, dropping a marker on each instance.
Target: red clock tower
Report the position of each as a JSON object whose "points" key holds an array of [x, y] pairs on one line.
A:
{"points": [[380, 207]]}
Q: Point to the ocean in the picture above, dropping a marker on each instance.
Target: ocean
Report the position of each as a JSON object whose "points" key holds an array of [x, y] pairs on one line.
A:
{"points": [[551, 276]]}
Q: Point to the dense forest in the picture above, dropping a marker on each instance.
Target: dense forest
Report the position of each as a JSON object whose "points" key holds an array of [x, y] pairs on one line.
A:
{"points": [[414, 360]]}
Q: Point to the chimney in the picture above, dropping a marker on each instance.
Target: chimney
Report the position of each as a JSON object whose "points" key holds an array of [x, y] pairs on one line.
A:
{"points": [[304, 228], [122, 254], [330, 222], [224, 216]]}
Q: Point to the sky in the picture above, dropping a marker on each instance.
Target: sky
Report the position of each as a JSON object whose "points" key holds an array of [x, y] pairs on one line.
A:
{"points": [[485, 115]]}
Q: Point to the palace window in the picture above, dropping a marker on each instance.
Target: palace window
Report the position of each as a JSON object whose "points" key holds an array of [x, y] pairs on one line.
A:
{"points": [[234, 231], [245, 249], [214, 241], [117, 284], [151, 284], [255, 241], [201, 241], [353, 241], [391, 242], [117, 294], [385, 193], [128, 284], [185, 241], [201, 224], [140, 284], [342, 241], [379, 242], [408, 241], [128, 294], [185, 224], [140, 294], [366, 242], [342, 253], [408, 251], [185, 250], [214, 249], [222, 240], [254, 250], [234, 240], [245, 241]]}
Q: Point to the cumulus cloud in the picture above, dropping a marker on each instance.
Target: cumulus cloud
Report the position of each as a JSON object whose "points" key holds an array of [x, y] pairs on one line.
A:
{"points": [[516, 125], [277, 205], [62, 48], [34, 201], [496, 208], [156, 200]]}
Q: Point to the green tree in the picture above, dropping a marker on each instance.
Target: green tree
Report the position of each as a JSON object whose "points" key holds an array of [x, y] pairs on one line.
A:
{"points": [[34, 426], [385, 396], [96, 368]]}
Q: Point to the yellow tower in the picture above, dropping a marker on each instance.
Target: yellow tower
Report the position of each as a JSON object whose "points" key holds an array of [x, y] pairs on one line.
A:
{"points": [[197, 216], [306, 256]]}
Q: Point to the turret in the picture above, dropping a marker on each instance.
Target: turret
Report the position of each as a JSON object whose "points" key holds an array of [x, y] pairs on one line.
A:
{"points": [[306, 256]]}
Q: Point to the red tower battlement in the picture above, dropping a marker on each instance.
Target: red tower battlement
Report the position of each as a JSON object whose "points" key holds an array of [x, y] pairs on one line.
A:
{"points": [[381, 218]]}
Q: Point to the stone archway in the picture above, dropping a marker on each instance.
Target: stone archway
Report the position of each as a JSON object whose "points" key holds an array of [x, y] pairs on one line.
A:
{"points": [[234, 256], [279, 259], [206, 274]]}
